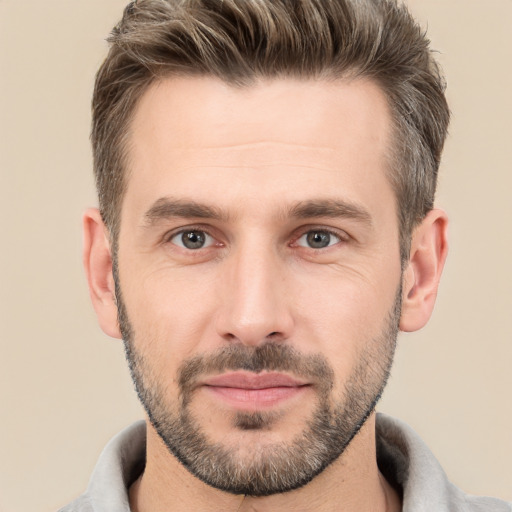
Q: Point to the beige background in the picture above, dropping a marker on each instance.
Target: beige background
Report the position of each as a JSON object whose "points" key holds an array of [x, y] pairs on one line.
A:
{"points": [[64, 389]]}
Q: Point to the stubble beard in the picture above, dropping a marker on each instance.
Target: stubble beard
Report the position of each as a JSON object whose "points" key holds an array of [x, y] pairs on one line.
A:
{"points": [[270, 468]]}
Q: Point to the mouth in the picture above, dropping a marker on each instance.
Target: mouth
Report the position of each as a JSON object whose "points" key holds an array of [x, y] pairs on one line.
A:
{"points": [[248, 391]]}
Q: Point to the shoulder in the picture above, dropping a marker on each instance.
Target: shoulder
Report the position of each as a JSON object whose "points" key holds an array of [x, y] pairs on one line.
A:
{"points": [[405, 460], [484, 504], [119, 465], [81, 504]]}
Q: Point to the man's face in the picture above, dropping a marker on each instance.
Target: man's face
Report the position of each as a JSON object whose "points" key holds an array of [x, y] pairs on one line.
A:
{"points": [[258, 273]]}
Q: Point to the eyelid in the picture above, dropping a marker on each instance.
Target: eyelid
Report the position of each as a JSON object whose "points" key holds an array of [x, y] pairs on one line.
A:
{"points": [[341, 235], [170, 235]]}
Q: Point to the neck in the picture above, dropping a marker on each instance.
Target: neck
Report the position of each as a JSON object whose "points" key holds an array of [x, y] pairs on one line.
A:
{"points": [[352, 483]]}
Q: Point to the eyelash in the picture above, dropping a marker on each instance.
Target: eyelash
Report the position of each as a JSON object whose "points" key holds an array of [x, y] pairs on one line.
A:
{"points": [[201, 229], [342, 236]]}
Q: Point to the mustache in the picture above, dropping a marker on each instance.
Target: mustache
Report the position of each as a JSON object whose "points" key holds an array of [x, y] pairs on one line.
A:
{"points": [[270, 356]]}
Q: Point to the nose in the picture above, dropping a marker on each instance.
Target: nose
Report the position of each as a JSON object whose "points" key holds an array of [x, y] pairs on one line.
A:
{"points": [[254, 305]]}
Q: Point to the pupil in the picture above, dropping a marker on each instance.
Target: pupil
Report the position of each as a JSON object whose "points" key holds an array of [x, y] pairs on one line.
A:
{"points": [[193, 239], [318, 239]]}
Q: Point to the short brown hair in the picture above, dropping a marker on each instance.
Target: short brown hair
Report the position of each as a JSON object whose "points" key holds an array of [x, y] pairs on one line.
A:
{"points": [[240, 41]]}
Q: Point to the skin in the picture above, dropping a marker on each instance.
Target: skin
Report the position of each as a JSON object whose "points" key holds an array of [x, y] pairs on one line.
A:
{"points": [[253, 155]]}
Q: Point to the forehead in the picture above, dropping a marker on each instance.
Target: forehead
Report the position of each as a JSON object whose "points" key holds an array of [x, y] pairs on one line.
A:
{"points": [[285, 136], [206, 111]]}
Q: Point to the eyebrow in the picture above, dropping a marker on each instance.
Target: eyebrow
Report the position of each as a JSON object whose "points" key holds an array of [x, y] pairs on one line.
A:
{"points": [[331, 208], [166, 208]]}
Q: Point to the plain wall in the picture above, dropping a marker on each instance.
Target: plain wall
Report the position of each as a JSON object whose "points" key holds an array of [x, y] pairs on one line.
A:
{"points": [[64, 388]]}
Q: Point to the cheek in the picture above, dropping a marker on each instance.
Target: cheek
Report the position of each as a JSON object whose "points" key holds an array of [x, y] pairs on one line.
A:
{"points": [[345, 300], [169, 312], [344, 317]]}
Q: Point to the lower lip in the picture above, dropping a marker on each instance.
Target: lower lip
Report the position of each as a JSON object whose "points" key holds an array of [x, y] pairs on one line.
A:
{"points": [[255, 399]]}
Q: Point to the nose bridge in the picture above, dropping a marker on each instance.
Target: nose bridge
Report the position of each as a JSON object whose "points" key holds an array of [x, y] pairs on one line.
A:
{"points": [[254, 303]]}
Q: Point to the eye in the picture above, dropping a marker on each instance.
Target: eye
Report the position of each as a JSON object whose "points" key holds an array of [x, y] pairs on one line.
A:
{"points": [[192, 239], [318, 239]]}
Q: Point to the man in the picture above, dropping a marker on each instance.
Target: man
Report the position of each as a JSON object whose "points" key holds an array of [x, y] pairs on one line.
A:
{"points": [[266, 173]]}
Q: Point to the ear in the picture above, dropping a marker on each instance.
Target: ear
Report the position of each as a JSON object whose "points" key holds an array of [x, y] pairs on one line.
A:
{"points": [[429, 248], [97, 259]]}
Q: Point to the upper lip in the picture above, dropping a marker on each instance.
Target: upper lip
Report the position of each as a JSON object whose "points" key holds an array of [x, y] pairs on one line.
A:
{"points": [[249, 380]]}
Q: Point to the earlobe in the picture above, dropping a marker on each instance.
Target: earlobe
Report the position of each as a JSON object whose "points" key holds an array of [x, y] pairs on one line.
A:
{"points": [[429, 248], [97, 260]]}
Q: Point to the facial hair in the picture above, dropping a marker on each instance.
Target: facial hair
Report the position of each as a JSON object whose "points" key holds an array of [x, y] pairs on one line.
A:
{"points": [[274, 467]]}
